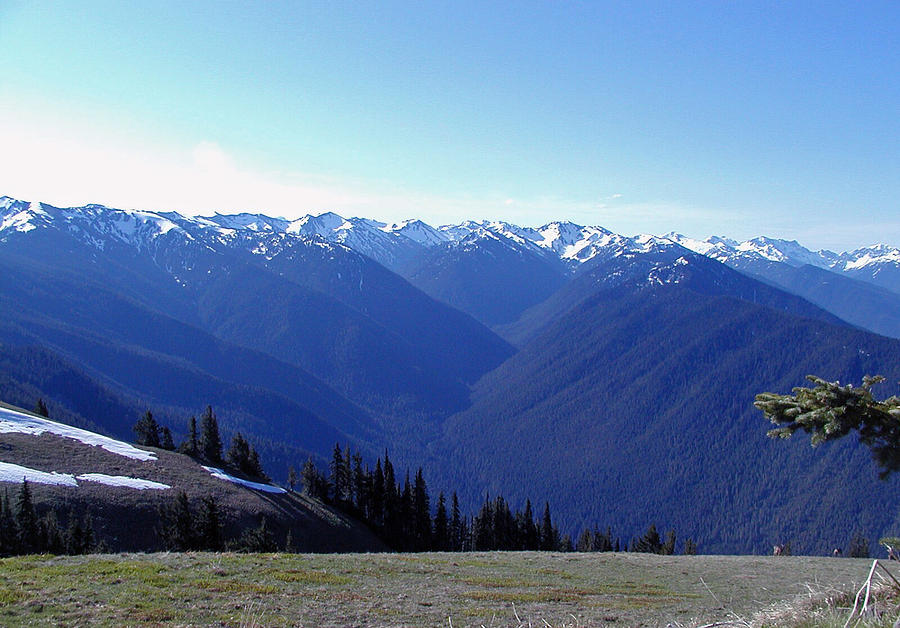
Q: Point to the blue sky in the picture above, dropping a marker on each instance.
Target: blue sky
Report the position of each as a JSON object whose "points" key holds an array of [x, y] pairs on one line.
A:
{"points": [[740, 119]]}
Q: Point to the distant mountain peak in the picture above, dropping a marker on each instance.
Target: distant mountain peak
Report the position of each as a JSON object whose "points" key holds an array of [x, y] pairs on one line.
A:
{"points": [[417, 231], [323, 224]]}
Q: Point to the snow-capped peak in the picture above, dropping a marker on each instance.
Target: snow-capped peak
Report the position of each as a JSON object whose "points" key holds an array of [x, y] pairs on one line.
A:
{"points": [[323, 225], [18, 215], [874, 255], [252, 222], [704, 247], [760, 249], [417, 231], [786, 251]]}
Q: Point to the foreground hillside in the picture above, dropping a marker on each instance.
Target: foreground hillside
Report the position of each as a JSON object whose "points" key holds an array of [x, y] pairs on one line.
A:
{"points": [[496, 589], [122, 488]]}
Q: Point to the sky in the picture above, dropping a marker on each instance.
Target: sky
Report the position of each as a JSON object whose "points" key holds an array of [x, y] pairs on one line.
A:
{"points": [[705, 118]]}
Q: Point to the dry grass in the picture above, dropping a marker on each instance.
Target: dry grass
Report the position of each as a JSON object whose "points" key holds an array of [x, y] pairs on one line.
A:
{"points": [[487, 589], [829, 607]]}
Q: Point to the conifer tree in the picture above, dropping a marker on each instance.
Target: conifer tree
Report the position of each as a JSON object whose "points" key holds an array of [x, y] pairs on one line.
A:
{"points": [[506, 534], [258, 539], [292, 478], [191, 446], [210, 441], [392, 523], [585, 542], [405, 519], [310, 478], [165, 440], [690, 548], [89, 541], [530, 533], [441, 537], [254, 466], [859, 546], [376, 507], [289, 542], [26, 521], [483, 528], [340, 475], [549, 534], [41, 408], [650, 543], [830, 411], [668, 547], [176, 527], [147, 431], [238, 454], [349, 494], [468, 542], [74, 535], [8, 533], [421, 514], [361, 489], [210, 525], [52, 539], [455, 532], [603, 540]]}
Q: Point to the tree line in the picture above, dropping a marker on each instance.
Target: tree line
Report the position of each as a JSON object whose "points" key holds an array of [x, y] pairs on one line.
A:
{"points": [[204, 444], [403, 515]]}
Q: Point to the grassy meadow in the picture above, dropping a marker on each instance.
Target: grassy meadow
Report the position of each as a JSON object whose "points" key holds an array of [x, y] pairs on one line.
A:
{"points": [[435, 589]]}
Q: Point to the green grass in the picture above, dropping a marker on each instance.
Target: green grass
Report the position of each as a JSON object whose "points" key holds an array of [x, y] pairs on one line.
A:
{"points": [[497, 589]]}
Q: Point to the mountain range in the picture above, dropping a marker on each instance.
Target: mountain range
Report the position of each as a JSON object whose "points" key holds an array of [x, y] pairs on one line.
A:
{"points": [[611, 375]]}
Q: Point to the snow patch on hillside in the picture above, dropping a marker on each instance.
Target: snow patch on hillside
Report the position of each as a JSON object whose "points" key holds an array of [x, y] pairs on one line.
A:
{"points": [[268, 488], [12, 421], [15, 473], [122, 480]]}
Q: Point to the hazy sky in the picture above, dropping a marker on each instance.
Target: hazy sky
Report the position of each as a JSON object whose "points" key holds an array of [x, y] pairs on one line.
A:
{"points": [[740, 119]]}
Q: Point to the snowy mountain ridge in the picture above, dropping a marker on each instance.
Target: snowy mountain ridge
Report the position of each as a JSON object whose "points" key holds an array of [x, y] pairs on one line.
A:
{"points": [[393, 245], [788, 252]]}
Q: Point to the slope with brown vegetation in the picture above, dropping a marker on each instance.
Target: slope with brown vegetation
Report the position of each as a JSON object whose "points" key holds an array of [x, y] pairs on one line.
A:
{"points": [[126, 519]]}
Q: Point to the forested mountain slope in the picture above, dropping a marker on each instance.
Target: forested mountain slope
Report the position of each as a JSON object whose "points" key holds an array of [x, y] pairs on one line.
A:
{"points": [[636, 405], [656, 262]]}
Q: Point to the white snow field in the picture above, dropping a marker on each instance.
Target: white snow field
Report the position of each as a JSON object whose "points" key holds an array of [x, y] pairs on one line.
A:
{"points": [[268, 488], [12, 421], [14, 473], [121, 480]]}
